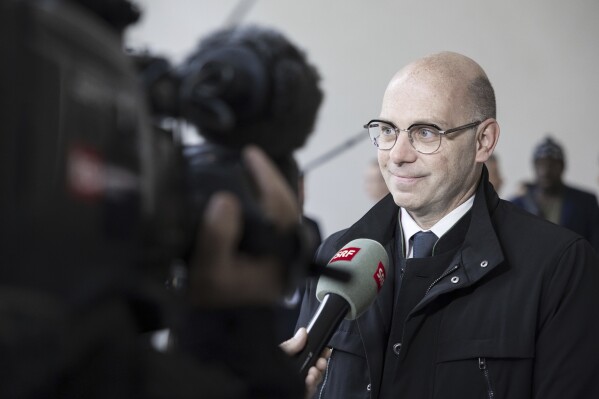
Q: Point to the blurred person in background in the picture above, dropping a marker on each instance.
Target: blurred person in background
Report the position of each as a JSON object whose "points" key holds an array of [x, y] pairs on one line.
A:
{"points": [[550, 197]]}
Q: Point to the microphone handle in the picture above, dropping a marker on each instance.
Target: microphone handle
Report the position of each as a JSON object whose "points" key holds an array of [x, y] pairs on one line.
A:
{"points": [[322, 326]]}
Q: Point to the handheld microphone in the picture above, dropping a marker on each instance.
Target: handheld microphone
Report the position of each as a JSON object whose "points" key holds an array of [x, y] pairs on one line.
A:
{"points": [[366, 261]]}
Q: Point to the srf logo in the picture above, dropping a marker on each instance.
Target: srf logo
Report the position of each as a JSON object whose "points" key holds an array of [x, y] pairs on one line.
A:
{"points": [[345, 254], [379, 276]]}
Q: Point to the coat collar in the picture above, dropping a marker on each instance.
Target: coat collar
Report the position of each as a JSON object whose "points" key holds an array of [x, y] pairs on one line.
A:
{"points": [[481, 251]]}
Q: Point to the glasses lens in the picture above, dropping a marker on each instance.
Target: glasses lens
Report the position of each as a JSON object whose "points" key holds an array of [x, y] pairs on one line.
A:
{"points": [[425, 139], [382, 135]]}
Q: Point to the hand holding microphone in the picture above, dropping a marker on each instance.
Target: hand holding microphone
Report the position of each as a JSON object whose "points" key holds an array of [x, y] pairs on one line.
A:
{"points": [[366, 261], [314, 375]]}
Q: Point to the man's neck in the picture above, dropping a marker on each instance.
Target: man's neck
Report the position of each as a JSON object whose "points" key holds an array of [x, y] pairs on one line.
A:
{"points": [[411, 226], [427, 220]]}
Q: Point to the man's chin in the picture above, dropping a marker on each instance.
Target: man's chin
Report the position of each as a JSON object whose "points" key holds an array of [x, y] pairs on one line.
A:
{"points": [[406, 201]]}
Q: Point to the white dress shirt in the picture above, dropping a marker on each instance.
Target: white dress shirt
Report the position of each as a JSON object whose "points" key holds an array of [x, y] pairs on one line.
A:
{"points": [[410, 227]]}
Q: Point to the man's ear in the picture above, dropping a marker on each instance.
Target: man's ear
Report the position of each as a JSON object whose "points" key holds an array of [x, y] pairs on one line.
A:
{"points": [[486, 139]]}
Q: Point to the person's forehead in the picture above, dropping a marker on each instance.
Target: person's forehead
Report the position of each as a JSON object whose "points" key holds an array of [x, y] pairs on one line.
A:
{"points": [[427, 85], [420, 101]]}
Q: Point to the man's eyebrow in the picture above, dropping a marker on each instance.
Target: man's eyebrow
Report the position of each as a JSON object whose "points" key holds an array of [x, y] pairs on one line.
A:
{"points": [[430, 122], [437, 123]]}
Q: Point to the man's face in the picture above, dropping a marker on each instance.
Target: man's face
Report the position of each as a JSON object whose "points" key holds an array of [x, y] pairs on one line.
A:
{"points": [[429, 185], [549, 173]]}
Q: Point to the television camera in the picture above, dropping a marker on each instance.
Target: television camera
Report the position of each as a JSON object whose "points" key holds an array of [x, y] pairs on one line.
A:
{"points": [[93, 176]]}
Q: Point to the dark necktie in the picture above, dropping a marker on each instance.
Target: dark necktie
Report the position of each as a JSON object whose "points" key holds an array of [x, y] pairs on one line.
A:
{"points": [[423, 243]]}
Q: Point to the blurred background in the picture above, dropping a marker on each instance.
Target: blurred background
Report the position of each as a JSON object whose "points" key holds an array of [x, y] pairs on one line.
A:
{"points": [[541, 56]]}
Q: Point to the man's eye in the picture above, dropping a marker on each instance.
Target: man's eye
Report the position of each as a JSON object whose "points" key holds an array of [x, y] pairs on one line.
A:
{"points": [[387, 131], [426, 133]]}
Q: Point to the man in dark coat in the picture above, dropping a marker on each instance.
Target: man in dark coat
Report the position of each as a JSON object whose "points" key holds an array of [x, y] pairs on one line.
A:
{"points": [[505, 303], [551, 198]]}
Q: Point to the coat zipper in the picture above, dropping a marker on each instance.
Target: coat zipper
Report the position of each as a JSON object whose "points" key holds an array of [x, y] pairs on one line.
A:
{"points": [[445, 274], [326, 374], [482, 365]]}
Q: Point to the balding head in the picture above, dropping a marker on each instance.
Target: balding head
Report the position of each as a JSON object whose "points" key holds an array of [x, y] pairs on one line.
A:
{"points": [[454, 75], [449, 66]]}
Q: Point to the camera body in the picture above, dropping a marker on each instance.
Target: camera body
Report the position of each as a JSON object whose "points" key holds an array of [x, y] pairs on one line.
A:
{"points": [[91, 176]]}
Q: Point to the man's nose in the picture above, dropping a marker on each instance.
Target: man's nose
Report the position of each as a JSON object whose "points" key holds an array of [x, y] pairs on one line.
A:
{"points": [[403, 151]]}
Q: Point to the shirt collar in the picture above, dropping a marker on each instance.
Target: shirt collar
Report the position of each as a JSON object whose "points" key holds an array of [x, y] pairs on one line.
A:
{"points": [[410, 227]]}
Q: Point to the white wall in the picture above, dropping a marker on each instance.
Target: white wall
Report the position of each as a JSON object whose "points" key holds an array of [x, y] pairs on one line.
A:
{"points": [[542, 57]]}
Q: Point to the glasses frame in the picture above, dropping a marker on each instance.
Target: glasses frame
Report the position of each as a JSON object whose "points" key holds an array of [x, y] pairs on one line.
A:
{"points": [[398, 130]]}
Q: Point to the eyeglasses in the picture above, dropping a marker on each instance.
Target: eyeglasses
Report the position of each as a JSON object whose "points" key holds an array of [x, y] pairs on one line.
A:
{"points": [[425, 138]]}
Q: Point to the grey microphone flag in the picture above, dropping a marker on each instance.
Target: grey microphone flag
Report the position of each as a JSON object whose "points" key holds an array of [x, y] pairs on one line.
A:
{"points": [[366, 261]]}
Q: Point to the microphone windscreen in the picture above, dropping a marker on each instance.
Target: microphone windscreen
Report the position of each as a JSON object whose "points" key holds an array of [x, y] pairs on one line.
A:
{"points": [[366, 261]]}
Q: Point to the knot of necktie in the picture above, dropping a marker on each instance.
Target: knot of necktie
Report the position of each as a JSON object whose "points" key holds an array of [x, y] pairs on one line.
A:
{"points": [[423, 243]]}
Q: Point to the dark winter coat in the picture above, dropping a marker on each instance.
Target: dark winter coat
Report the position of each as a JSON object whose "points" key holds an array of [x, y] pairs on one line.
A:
{"points": [[514, 315]]}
